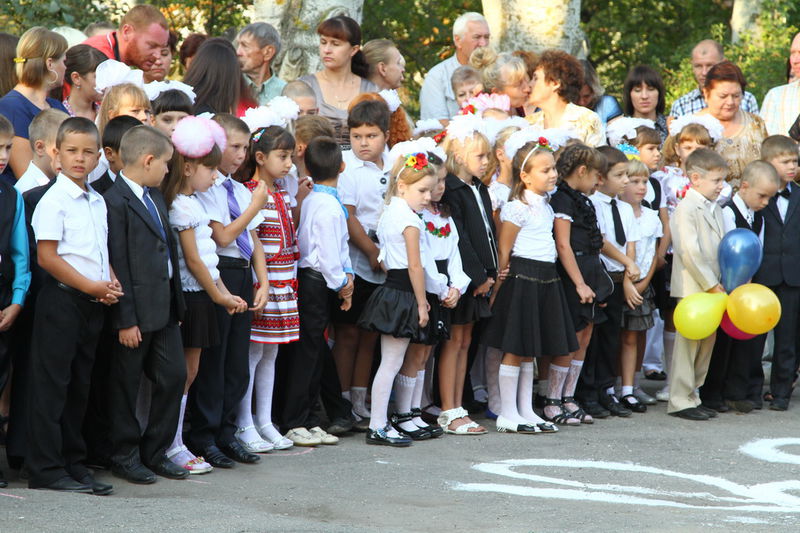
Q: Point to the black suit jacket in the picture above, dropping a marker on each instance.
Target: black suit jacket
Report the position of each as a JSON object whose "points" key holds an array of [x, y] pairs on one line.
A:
{"points": [[39, 276], [103, 183], [781, 243], [139, 257]]}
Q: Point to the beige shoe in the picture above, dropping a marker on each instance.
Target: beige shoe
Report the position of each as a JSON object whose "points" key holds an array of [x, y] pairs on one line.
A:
{"points": [[325, 438], [302, 437]]}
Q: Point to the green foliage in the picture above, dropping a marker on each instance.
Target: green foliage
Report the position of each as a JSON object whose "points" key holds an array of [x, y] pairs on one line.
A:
{"points": [[17, 16], [212, 17]]}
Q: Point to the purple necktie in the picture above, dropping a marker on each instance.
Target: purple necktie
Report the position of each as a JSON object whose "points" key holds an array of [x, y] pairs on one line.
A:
{"points": [[241, 241]]}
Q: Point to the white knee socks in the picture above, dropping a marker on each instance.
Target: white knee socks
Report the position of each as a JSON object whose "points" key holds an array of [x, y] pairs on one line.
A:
{"points": [[416, 398], [393, 351], [508, 380], [176, 455], [264, 386], [525, 394]]}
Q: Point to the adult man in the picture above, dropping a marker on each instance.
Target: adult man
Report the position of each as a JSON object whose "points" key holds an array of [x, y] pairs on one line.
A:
{"points": [[437, 101], [782, 104], [142, 33], [257, 46], [705, 55]]}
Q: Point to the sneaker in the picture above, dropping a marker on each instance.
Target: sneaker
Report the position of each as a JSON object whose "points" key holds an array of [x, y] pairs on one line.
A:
{"points": [[302, 437], [643, 397], [325, 438], [663, 395]]}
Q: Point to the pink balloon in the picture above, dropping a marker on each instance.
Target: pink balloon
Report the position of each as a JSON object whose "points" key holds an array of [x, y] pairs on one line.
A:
{"points": [[732, 331]]}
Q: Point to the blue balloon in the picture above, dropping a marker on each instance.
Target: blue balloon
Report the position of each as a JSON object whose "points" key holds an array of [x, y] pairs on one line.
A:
{"points": [[739, 257]]}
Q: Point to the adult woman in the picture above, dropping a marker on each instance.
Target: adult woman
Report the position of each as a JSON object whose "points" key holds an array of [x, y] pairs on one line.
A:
{"points": [[556, 84], [40, 67], [81, 62], [643, 97], [592, 95], [162, 66], [503, 74], [8, 50], [216, 78], [344, 73], [387, 66], [743, 132], [189, 47]]}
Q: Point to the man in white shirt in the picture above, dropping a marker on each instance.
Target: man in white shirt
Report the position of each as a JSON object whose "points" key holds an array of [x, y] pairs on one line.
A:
{"points": [[782, 104]]}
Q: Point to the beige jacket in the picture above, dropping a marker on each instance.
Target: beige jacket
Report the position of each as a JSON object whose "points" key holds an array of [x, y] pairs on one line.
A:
{"points": [[696, 234]]}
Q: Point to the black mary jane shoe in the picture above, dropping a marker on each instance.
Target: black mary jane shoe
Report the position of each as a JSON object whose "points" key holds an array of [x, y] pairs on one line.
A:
{"points": [[418, 434], [380, 437], [435, 431], [631, 402]]}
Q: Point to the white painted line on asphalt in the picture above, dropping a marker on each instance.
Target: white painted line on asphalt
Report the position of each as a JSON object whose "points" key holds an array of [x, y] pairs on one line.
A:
{"points": [[768, 450]]}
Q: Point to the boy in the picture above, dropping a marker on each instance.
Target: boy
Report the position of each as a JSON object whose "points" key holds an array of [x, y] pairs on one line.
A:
{"points": [[618, 225], [70, 227], [42, 136], [112, 138], [144, 256], [303, 96], [778, 269], [734, 361], [15, 275], [297, 183], [362, 188], [697, 229], [224, 371], [466, 82], [324, 270]]}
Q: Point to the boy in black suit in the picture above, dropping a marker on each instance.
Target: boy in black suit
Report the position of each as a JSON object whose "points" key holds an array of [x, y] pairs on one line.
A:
{"points": [[112, 139], [144, 256]]}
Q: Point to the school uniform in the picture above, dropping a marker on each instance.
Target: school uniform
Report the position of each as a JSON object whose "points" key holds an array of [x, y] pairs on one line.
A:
{"points": [[104, 182], [779, 272], [144, 256], [32, 177], [641, 317], [734, 362], [697, 228], [67, 326]]}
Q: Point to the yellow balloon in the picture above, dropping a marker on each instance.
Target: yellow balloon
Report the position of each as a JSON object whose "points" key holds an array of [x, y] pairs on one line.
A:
{"points": [[754, 308], [698, 315]]}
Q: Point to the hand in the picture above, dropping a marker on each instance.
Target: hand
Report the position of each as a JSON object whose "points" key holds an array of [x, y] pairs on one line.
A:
{"points": [[633, 272], [423, 315], [484, 287], [130, 337], [260, 298], [232, 304], [107, 292], [347, 290], [718, 288], [452, 298], [374, 264], [346, 304], [304, 186], [260, 195], [585, 293], [8, 316], [632, 296], [641, 286], [661, 262], [503, 274]]}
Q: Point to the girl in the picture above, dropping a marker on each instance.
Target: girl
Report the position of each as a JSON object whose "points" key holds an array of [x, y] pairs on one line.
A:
{"points": [[123, 99], [278, 323], [586, 283], [398, 309], [467, 157], [84, 99], [169, 103], [500, 188], [198, 151], [637, 320]]}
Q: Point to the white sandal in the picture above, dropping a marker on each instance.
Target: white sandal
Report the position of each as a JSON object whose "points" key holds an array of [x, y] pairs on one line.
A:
{"points": [[447, 417]]}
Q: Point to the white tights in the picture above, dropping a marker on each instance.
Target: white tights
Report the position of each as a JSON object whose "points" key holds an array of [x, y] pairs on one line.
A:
{"points": [[393, 351]]}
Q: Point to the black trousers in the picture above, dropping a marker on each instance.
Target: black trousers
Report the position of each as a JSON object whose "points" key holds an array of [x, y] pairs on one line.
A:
{"points": [[224, 372], [729, 372], [325, 383], [66, 328], [20, 347], [599, 368], [160, 357], [97, 422], [785, 355]]}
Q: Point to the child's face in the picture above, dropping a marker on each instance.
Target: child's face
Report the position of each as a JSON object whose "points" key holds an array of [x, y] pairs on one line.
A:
{"points": [[438, 191], [155, 169], [235, 152], [201, 177], [114, 161], [127, 106], [166, 122], [5, 150], [710, 185], [78, 155], [368, 142], [650, 155], [48, 158], [615, 181], [635, 190], [685, 148], [417, 195], [276, 164], [757, 196], [467, 90], [307, 105], [541, 175], [786, 165], [475, 159], [495, 114]]}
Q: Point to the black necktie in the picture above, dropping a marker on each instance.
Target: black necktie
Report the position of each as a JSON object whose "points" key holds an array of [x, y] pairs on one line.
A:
{"points": [[786, 193], [619, 231]]}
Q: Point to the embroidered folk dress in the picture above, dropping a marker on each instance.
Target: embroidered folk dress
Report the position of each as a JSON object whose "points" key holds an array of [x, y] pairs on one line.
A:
{"points": [[279, 321]]}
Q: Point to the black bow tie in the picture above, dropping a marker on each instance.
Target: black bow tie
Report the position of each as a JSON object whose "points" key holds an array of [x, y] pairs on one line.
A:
{"points": [[786, 193]]}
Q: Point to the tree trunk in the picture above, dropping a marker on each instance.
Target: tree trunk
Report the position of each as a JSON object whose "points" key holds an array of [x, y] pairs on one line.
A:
{"points": [[744, 18], [297, 22], [536, 25]]}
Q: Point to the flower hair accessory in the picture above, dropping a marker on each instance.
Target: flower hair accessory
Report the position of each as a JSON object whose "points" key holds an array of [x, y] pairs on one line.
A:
{"points": [[623, 129], [286, 109], [427, 125], [155, 88], [712, 125], [428, 145], [195, 137], [391, 98], [111, 72], [520, 138], [261, 117], [417, 161], [630, 151], [485, 101], [463, 126]]}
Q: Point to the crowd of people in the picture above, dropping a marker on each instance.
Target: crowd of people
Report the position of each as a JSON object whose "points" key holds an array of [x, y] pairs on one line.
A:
{"points": [[196, 272]]}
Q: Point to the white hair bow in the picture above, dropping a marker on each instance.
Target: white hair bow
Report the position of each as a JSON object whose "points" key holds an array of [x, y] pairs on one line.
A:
{"points": [[155, 88], [111, 72], [714, 126], [623, 129], [391, 98]]}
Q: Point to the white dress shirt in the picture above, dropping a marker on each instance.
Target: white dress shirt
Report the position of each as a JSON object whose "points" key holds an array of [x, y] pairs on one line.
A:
{"points": [[215, 203], [436, 97], [32, 178], [602, 204], [729, 218], [138, 192], [322, 238], [535, 220], [650, 230], [187, 213], [781, 107], [783, 203]]}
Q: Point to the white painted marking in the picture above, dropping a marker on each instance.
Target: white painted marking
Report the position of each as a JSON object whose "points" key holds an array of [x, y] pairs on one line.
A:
{"points": [[768, 450]]}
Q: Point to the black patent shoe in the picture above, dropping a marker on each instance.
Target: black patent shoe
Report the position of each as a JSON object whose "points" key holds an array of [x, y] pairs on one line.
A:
{"points": [[631, 402], [435, 431], [380, 437], [610, 402], [418, 434]]}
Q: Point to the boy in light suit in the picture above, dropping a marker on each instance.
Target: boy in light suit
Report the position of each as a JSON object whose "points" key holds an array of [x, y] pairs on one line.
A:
{"points": [[697, 228]]}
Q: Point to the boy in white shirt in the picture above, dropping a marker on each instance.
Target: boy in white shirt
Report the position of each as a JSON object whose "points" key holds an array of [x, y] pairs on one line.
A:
{"points": [[42, 136]]}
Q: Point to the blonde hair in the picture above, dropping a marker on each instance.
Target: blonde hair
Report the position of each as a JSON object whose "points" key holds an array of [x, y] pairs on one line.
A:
{"points": [[499, 144], [454, 148], [691, 132], [34, 48], [113, 99], [637, 168], [376, 52], [498, 70], [44, 126], [777, 146], [407, 175]]}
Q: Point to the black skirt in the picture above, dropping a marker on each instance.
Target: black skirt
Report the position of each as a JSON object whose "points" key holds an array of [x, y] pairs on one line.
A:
{"points": [[595, 276], [471, 308], [530, 314], [199, 327], [392, 309], [362, 290], [439, 317]]}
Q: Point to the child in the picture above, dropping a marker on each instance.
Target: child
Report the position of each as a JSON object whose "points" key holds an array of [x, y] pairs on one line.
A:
{"points": [[73, 249], [467, 157], [637, 320], [112, 140], [733, 362], [530, 312], [15, 273], [192, 171], [297, 182], [324, 273], [42, 136], [618, 254], [778, 269], [695, 240], [362, 189], [398, 309], [278, 323], [123, 99], [143, 253], [224, 371], [169, 105], [500, 188], [303, 96], [466, 82], [586, 284]]}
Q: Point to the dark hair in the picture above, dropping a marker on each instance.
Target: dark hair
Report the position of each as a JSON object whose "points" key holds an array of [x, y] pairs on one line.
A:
{"points": [[77, 125], [82, 59], [323, 158], [637, 76], [231, 123], [369, 113], [524, 155], [613, 156], [268, 139], [724, 71], [172, 42], [115, 129], [143, 140], [215, 76], [577, 155], [171, 100], [175, 179], [645, 135], [190, 45], [346, 29], [565, 69], [8, 70]]}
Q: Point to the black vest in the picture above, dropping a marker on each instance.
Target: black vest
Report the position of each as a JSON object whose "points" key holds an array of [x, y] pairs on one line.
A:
{"points": [[8, 211], [741, 221], [781, 238], [654, 205]]}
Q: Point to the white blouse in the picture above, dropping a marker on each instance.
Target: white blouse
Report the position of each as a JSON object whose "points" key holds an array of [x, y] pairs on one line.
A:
{"points": [[499, 192], [535, 220], [444, 247], [650, 230], [187, 213], [396, 217]]}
